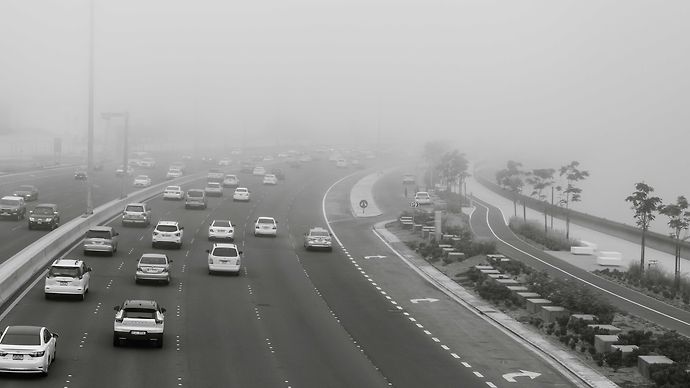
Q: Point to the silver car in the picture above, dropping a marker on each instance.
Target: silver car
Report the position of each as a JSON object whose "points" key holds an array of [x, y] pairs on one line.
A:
{"points": [[153, 266], [101, 239]]}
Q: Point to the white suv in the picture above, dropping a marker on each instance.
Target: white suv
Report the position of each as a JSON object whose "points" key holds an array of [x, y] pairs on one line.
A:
{"points": [[136, 213], [167, 232], [224, 258], [142, 320], [67, 277], [266, 226]]}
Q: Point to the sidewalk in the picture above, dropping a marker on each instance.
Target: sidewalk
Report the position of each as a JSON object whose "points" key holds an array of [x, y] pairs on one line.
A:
{"points": [[362, 191]]}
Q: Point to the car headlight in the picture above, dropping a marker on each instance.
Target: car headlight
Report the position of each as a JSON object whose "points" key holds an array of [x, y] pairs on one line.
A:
{"points": [[32, 219], [37, 354], [48, 219]]}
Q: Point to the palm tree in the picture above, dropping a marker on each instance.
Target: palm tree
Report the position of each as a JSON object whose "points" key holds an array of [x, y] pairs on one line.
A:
{"points": [[679, 220], [644, 207], [571, 193]]}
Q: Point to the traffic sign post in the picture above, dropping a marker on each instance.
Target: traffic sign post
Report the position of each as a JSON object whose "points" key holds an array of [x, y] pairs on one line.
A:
{"points": [[363, 204]]}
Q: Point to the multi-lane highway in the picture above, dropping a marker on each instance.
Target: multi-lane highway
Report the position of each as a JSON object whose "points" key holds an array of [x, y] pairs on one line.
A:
{"points": [[292, 319]]}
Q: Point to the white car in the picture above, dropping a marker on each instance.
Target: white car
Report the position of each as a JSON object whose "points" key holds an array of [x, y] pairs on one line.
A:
{"points": [[318, 238], [167, 232], [225, 162], [153, 266], [221, 229], [258, 170], [139, 320], [213, 189], [231, 181], [342, 163], [121, 171], [173, 192], [224, 258], [422, 198], [142, 181], [67, 277], [266, 226], [241, 194], [173, 173], [270, 179], [268, 158], [27, 349]]}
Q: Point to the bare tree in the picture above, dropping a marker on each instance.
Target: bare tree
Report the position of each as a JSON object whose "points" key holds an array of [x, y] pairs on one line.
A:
{"points": [[644, 207], [678, 220], [540, 179], [571, 193], [510, 178]]}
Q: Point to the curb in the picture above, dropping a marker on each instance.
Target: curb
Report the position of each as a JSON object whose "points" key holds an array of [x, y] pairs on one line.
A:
{"points": [[570, 366]]}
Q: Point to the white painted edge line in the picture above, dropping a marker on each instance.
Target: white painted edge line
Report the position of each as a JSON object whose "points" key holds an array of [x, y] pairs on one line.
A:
{"points": [[567, 372], [578, 278]]}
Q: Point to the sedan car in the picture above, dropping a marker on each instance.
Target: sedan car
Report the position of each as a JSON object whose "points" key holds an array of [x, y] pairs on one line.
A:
{"points": [[153, 266], [221, 229], [27, 349], [241, 194], [231, 180], [422, 198], [270, 179], [28, 192], [318, 238], [266, 226], [259, 171], [81, 175], [213, 189], [121, 171], [142, 181], [44, 215], [173, 173], [173, 192]]}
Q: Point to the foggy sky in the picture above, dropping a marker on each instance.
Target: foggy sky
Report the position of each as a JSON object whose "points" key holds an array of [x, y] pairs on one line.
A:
{"points": [[542, 82]]}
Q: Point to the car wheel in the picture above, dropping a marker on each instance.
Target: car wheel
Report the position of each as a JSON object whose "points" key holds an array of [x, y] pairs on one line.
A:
{"points": [[30, 226], [159, 343], [83, 296], [116, 341], [210, 272], [153, 245], [47, 367]]}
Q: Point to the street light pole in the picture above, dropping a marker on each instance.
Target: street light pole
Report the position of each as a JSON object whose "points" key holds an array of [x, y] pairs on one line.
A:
{"points": [[125, 115], [89, 158]]}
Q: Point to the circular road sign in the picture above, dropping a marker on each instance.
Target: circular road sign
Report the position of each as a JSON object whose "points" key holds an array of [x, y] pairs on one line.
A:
{"points": [[363, 203], [414, 204]]}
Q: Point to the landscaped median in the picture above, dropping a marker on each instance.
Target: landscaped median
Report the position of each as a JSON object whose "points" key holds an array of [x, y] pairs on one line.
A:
{"points": [[562, 318], [16, 271]]}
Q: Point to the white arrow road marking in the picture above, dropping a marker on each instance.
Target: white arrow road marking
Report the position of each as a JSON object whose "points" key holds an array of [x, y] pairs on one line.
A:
{"points": [[430, 300], [510, 377], [374, 257]]}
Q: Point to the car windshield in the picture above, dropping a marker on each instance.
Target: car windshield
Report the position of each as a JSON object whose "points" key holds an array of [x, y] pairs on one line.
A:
{"points": [[241, 190], [142, 177], [9, 202], [21, 339], [135, 208], [72, 272], [222, 224], [25, 188], [153, 260], [172, 188], [173, 171], [225, 252], [195, 194], [43, 211], [230, 177], [98, 234], [213, 185], [166, 228], [319, 233], [139, 313], [266, 221]]}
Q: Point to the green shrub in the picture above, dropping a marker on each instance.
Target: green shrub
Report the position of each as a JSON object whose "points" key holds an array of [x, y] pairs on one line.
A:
{"points": [[533, 230], [614, 359], [492, 291], [670, 375]]}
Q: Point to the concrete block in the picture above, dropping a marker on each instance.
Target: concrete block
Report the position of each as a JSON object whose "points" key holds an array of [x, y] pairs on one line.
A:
{"points": [[582, 250], [446, 251], [495, 256], [457, 256], [583, 317], [551, 313], [645, 362], [524, 295], [603, 342], [609, 328], [507, 282], [609, 261], [445, 246], [534, 304], [489, 271], [417, 227], [481, 267], [496, 276], [625, 349]]}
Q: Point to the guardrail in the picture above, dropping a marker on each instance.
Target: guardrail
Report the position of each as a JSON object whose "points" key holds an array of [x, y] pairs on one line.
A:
{"points": [[24, 265]]}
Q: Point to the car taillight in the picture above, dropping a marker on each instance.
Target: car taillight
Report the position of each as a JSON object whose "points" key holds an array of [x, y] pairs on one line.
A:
{"points": [[275, 227], [118, 320], [3, 354], [158, 321], [210, 260], [140, 269], [212, 230], [37, 354], [155, 233], [177, 234]]}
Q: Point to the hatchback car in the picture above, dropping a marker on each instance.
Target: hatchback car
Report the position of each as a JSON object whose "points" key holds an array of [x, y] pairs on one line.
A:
{"points": [[27, 349], [138, 213], [45, 215], [101, 239], [67, 277], [142, 181], [139, 320], [231, 181], [259, 171], [270, 179], [422, 198], [173, 192], [265, 226], [221, 229], [28, 192], [168, 233], [195, 198], [153, 266], [224, 258], [318, 238], [214, 189], [241, 194]]}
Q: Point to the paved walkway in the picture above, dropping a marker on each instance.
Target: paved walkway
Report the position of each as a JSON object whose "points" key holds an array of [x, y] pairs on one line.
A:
{"points": [[362, 191]]}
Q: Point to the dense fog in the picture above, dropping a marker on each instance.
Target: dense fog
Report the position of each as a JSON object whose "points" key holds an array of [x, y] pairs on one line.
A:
{"points": [[540, 82]]}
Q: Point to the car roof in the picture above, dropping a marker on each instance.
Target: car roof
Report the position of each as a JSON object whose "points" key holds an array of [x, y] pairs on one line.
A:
{"points": [[422, 192], [173, 187], [266, 218], [196, 190], [54, 206], [24, 330], [224, 220], [172, 223], [212, 183], [224, 245], [136, 204], [27, 187], [101, 228], [142, 176], [12, 197], [67, 263], [317, 229], [153, 255], [269, 175], [241, 189], [140, 303]]}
